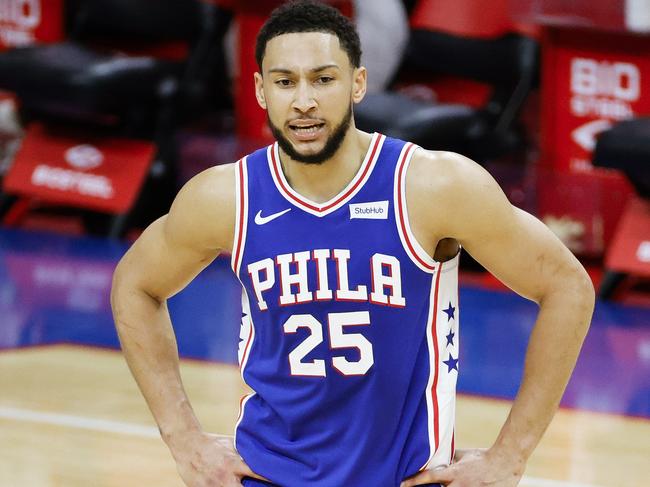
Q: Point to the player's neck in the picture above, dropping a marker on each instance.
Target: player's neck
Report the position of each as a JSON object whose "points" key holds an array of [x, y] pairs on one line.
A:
{"points": [[321, 182]]}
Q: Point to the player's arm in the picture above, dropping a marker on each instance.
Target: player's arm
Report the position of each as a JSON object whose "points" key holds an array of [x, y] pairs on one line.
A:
{"points": [[451, 196], [166, 257]]}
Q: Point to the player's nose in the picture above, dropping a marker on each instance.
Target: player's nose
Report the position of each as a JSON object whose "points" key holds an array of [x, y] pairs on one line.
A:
{"points": [[305, 98]]}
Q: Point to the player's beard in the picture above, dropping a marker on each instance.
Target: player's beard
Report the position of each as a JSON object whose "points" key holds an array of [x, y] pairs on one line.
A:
{"points": [[332, 144]]}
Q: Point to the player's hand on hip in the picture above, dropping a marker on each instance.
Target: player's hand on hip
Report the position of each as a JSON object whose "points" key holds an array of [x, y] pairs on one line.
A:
{"points": [[471, 468], [208, 460]]}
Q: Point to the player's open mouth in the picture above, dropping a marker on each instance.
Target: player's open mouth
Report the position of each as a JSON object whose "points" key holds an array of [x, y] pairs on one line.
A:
{"points": [[306, 131]]}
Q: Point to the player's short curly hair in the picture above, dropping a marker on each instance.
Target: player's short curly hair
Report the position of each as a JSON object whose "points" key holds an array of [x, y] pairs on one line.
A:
{"points": [[309, 16]]}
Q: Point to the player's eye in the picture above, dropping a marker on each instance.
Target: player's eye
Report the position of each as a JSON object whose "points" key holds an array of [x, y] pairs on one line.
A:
{"points": [[284, 82], [325, 79]]}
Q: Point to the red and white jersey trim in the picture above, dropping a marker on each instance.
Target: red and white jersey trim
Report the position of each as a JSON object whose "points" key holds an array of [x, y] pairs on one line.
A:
{"points": [[434, 359], [322, 209], [241, 214], [441, 387], [242, 405], [247, 328], [414, 250], [246, 339]]}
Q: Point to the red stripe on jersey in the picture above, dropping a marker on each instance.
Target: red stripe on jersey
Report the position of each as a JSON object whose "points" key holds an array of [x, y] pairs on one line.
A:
{"points": [[434, 387], [241, 409], [237, 249], [402, 220], [360, 178]]}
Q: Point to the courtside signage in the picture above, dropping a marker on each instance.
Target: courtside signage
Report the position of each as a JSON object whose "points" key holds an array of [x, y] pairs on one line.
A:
{"points": [[26, 22], [97, 173], [376, 210]]}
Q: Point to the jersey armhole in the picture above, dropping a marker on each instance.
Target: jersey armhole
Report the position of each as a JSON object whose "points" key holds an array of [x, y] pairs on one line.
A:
{"points": [[241, 215], [412, 247]]}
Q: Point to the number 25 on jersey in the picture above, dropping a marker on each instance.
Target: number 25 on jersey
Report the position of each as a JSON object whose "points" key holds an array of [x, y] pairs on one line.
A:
{"points": [[338, 339]]}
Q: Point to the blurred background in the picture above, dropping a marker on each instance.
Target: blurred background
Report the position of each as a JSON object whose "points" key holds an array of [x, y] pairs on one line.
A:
{"points": [[107, 107]]}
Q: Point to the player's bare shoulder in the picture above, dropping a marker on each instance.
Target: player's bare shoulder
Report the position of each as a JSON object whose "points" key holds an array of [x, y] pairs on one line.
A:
{"points": [[451, 194], [443, 173], [434, 180], [445, 190], [203, 213]]}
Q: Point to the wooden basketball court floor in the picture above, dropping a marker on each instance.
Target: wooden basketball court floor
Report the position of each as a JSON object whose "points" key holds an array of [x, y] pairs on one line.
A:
{"points": [[71, 415]]}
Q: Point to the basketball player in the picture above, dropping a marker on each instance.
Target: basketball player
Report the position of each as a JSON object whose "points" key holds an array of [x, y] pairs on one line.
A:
{"points": [[346, 244]]}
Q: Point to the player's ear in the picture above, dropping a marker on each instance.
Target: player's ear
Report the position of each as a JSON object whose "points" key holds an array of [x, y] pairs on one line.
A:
{"points": [[359, 84], [259, 90]]}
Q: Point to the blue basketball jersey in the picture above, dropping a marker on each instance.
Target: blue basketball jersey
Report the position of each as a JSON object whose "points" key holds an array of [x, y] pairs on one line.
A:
{"points": [[349, 334]]}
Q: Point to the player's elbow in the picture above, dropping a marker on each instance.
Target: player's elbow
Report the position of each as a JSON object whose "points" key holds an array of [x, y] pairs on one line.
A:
{"points": [[119, 289], [585, 289], [125, 288], [118, 283], [575, 293], [584, 301]]}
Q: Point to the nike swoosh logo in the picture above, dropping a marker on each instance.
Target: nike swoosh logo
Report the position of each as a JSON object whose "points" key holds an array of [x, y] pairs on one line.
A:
{"points": [[263, 220]]}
